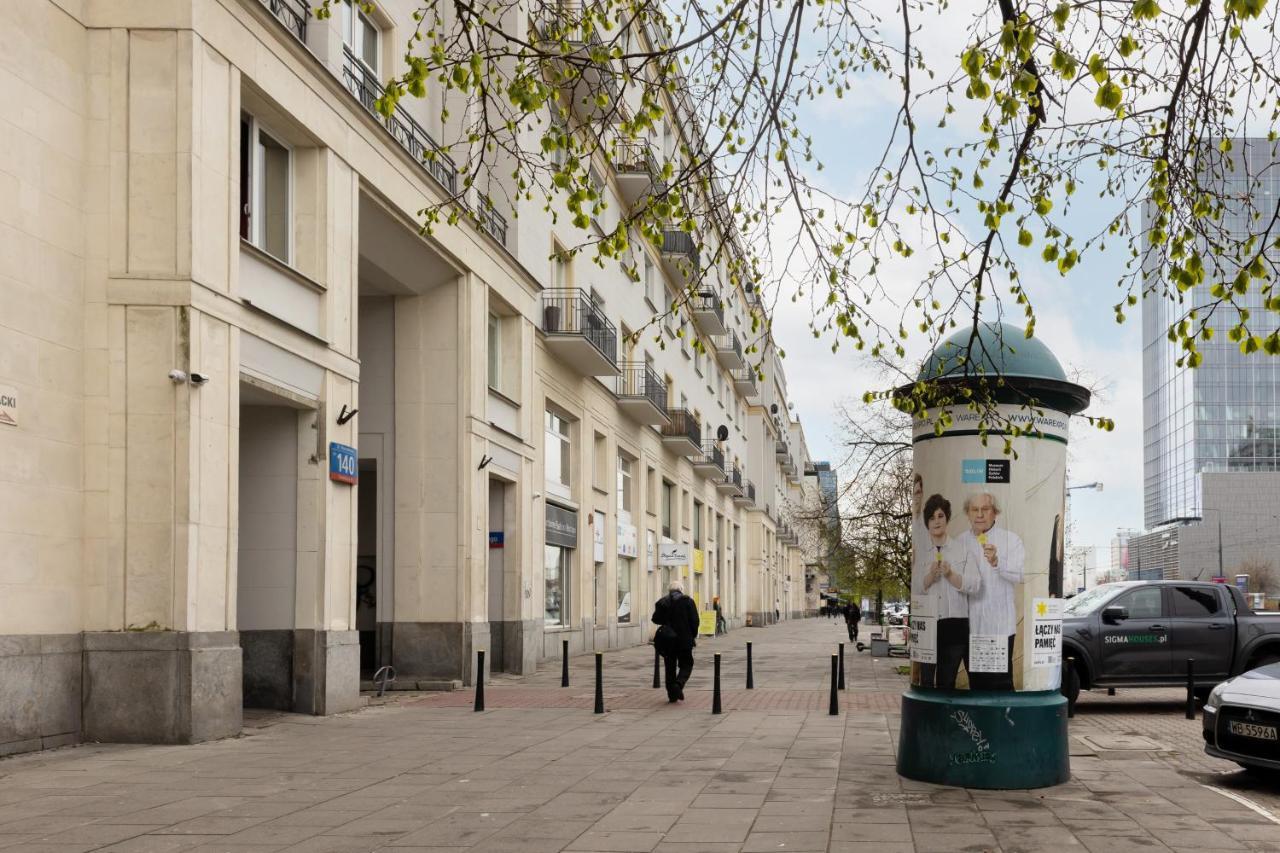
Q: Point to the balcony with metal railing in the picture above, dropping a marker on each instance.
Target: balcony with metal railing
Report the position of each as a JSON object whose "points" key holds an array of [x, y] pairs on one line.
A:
{"points": [[729, 351], [682, 432], [578, 333], [707, 309], [680, 256], [636, 171], [710, 462], [404, 128], [568, 32], [780, 449], [731, 482], [747, 496], [744, 382], [641, 393], [293, 14]]}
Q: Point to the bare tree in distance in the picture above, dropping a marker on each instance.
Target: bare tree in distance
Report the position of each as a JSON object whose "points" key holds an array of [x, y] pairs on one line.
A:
{"points": [[1262, 573], [1007, 113]]}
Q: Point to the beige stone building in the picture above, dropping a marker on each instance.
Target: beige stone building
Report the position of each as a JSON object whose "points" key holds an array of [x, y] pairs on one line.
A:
{"points": [[260, 437]]}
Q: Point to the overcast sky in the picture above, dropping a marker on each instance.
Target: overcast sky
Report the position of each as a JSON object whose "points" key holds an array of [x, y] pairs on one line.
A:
{"points": [[1075, 319]]}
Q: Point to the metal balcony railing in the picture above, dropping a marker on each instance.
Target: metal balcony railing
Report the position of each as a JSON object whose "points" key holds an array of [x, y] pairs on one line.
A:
{"points": [[682, 424], [729, 342], [493, 222], [639, 381], [680, 243], [292, 13], [712, 454], [745, 376], [709, 303], [749, 489], [735, 477], [404, 128], [570, 311], [780, 449]]}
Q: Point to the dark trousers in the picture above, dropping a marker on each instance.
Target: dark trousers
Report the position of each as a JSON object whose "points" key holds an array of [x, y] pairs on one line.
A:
{"points": [[676, 680], [953, 650], [995, 680], [853, 631]]}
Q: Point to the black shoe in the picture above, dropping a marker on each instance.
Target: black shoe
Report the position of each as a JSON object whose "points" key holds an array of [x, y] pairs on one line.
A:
{"points": [[671, 700]]}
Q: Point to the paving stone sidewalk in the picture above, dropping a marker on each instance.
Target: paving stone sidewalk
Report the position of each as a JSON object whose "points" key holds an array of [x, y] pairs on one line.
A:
{"points": [[417, 774]]}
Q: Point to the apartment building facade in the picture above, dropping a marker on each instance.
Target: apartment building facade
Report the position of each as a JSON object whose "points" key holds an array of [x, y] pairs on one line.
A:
{"points": [[263, 437]]}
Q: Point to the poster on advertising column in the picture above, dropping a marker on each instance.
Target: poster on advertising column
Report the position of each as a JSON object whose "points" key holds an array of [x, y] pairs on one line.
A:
{"points": [[985, 529]]}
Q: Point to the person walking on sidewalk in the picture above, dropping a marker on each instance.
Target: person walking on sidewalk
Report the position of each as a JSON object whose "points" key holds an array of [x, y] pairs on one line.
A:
{"points": [[852, 616], [676, 616], [721, 627]]}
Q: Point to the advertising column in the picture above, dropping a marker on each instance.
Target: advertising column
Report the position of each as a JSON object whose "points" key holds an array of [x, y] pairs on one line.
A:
{"points": [[984, 708]]}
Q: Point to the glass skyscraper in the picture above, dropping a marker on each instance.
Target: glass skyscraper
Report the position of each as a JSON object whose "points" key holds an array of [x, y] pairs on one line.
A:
{"points": [[1223, 415]]}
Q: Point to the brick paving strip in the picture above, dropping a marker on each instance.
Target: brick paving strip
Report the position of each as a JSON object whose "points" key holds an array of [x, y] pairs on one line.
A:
{"points": [[540, 772]]}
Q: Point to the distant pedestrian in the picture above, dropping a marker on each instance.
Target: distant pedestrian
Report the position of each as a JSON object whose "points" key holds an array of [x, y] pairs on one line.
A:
{"points": [[721, 627], [852, 616], [676, 616], [777, 612]]}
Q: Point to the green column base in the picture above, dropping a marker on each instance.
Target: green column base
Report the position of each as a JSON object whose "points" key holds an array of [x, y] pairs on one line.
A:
{"points": [[1000, 739]]}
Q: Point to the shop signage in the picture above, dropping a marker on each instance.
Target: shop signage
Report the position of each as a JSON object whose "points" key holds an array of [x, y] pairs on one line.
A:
{"points": [[1242, 583], [627, 543], [673, 554], [344, 464], [496, 538], [8, 405], [562, 527]]}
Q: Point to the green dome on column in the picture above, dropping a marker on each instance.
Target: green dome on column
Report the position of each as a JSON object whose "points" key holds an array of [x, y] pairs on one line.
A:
{"points": [[999, 349]]}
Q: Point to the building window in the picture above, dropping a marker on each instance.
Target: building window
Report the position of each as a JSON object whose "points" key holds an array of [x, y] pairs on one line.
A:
{"points": [[555, 571], [697, 524], [625, 569], [360, 34], [266, 189], [624, 488], [495, 352], [668, 497], [651, 491], [650, 292], [559, 453]]}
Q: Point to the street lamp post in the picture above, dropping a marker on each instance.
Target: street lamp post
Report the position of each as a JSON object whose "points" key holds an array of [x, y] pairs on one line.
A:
{"points": [[1066, 533]]}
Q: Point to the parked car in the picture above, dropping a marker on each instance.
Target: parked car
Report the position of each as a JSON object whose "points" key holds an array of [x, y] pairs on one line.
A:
{"points": [[1141, 633], [896, 613], [1242, 719]]}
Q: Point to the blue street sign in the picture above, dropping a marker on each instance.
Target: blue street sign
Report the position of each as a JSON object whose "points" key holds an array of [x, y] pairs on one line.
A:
{"points": [[344, 465]]}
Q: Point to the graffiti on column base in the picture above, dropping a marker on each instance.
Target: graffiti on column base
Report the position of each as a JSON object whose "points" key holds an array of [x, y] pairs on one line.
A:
{"points": [[982, 756], [969, 727]]}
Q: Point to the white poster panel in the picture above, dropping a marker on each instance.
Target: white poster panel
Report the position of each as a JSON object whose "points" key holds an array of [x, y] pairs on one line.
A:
{"points": [[986, 533], [1046, 637], [650, 550], [628, 545], [924, 638]]}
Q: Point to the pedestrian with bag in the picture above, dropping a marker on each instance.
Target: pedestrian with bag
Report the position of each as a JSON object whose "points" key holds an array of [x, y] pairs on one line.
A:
{"points": [[852, 616], [676, 616], [721, 626]]}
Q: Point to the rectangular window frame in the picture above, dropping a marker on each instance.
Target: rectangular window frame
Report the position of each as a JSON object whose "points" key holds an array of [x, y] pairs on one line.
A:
{"points": [[353, 16], [253, 214], [494, 346]]}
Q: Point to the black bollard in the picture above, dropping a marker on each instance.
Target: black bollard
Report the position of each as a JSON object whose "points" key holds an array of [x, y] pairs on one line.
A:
{"points": [[599, 682], [1111, 691], [835, 701], [1191, 688], [479, 678], [1070, 665], [715, 687], [657, 667], [751, 684], [564, 663], [842, 666]]}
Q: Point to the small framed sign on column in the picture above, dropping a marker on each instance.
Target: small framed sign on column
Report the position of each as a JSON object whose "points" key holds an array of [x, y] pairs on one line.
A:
{"points": [[344, 465]]}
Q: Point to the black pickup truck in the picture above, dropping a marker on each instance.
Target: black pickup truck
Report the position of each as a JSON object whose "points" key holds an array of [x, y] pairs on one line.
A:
{"points": [[1141, 633]]}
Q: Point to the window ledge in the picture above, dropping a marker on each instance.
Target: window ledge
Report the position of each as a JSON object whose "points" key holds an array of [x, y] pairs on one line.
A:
{"points": [[503, 397], [281, 266]]}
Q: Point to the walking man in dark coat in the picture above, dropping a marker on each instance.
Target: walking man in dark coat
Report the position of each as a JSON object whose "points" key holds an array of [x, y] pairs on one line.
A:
{"points": [[852, 616], [676, 616]]}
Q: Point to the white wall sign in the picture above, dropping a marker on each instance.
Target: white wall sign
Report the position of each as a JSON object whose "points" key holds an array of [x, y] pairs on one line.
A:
{"points": [[628, 545], [924, 638], [597, 536], [673, 554], [1046, 636], [8, 405], [988, 653], [650, 550]]}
